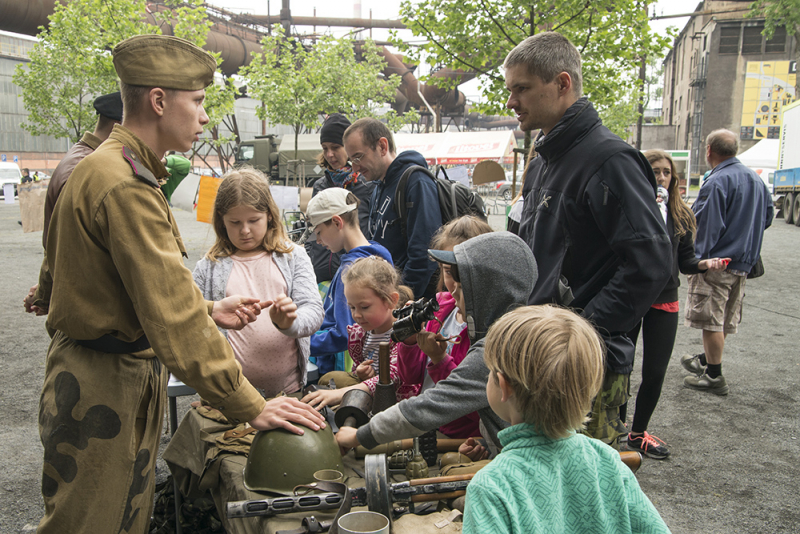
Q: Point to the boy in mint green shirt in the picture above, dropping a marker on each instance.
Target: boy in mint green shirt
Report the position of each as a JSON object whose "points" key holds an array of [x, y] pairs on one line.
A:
{"points": [[546, 365]]}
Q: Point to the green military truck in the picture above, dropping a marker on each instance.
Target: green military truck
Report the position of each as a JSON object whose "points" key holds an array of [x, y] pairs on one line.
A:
{"points": [[274, 155]]}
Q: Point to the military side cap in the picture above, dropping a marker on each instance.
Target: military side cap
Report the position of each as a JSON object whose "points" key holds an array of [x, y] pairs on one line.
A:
{"points": [[109, 106], [163, 61]]}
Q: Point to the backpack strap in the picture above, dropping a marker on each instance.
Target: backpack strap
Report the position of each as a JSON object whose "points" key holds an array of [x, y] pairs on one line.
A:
{"points": [[400, 203]]}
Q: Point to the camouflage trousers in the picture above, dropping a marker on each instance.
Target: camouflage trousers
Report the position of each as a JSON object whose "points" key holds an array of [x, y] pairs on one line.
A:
{"points": [[100, 419], [605, 423]]}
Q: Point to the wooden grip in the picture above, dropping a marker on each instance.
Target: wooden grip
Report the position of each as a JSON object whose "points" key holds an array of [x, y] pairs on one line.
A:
{"points": [[437, 496], [440, 480]]}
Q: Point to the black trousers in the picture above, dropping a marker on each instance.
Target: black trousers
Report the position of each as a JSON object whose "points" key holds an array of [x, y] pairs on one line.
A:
{"points": [[658, 337]]}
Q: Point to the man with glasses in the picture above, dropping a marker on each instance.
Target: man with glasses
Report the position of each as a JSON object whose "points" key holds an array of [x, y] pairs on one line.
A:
{"points": [[370, 146]]}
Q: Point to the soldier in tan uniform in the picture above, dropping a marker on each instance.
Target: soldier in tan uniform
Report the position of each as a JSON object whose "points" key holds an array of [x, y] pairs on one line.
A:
{"points": [[123, 309]]}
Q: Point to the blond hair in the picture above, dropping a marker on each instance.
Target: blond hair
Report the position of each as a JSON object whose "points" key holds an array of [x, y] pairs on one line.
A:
{"points": [[377, 274], [553, 360], [249, 187]]}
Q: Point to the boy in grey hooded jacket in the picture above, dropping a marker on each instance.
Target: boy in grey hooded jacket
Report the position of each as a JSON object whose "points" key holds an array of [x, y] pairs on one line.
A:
{"points": [[497, 273]]}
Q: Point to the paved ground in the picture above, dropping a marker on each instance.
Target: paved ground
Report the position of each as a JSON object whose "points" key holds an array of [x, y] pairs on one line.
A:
{"points": [[734, 460]]}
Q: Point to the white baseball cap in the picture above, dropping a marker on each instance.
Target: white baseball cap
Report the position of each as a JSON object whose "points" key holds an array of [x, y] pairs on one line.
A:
{"points": [[326, 204]]}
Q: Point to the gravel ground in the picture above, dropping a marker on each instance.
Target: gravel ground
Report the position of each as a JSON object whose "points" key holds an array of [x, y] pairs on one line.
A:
{"points": [[734, 459]]}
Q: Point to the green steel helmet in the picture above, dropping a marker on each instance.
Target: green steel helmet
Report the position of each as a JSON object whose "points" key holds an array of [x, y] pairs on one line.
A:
{"points": [[280, 460]]}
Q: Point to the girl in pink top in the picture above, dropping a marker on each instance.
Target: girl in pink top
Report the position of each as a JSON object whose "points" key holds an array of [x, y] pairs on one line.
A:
{"points": [[430, 356], [254, 254], [372, 288]]}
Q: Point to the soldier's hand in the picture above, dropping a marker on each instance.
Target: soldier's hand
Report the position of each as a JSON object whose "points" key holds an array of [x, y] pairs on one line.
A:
{"points": [[347, 439], [283, 311], [27, 302], [286, 412], [236, 312]]}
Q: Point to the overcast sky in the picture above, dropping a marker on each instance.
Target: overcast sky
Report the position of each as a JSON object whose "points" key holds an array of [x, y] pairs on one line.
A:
{"points": [[389, 9]]}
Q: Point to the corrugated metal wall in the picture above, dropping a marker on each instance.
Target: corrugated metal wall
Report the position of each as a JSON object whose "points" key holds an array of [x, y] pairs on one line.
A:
{"points": [[43, 152], [13, 139]]}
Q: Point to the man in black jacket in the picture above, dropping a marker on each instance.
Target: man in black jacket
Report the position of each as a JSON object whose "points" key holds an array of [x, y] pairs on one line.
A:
{"points": [[590, 214]]}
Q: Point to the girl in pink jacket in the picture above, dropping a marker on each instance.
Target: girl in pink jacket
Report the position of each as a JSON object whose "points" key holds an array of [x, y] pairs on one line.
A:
{"points": [[431, 355]]}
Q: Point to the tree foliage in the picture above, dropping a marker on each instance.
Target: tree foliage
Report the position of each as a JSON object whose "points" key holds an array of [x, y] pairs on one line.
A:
{"points": [[476, 35], [71, 64], [778, 13], [299, 84]]}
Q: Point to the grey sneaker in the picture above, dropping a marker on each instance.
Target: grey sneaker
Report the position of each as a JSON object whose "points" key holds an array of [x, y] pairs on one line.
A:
{"points": [[717, 386], [692, 364]]}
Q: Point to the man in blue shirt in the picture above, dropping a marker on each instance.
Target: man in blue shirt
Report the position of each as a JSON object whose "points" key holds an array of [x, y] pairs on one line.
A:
{"points": [[732, 210]]}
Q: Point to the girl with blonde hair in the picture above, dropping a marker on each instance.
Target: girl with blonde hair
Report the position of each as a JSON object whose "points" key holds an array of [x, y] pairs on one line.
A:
{"points": [[254, 256], [373, 291]]}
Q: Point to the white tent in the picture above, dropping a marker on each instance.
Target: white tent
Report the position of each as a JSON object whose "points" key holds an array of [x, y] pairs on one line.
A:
{"points": [[460, 148], [763, 154]]}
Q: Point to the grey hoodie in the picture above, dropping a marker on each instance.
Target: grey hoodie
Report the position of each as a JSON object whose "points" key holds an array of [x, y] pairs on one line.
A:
{"points": [[497, 273]]}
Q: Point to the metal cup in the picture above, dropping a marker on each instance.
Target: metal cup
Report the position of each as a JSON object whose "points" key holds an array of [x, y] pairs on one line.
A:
{"points": [[363, 523], [328, 475]]}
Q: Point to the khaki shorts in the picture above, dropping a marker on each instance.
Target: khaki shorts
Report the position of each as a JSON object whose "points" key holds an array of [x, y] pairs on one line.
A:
{"points": [[714, 301]]}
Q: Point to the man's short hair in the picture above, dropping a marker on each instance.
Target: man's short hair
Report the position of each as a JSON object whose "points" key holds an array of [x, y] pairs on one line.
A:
{"points": [[133, 97], [547, 55], [371, 132], [723, 143]]}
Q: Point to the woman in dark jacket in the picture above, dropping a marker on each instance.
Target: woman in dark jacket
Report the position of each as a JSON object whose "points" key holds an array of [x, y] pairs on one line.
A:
{"points": [[338, 173], [660, 324]]}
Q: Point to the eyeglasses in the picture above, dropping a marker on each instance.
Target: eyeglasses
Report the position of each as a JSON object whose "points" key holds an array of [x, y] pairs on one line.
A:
{"points": [[356, 160]]}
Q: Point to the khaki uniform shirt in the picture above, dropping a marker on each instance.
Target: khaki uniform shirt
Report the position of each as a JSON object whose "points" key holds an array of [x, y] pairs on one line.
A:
{"points": [[114, 255]]}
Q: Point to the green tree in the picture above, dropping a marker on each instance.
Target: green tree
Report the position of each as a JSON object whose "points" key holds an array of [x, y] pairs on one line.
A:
{"points": [[778, 13], [189, 21], [298, 84], [71, 64], [476, 35]]}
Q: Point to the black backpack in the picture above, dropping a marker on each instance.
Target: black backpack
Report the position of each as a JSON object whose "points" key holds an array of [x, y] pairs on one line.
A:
{"points": [[455, 199]]}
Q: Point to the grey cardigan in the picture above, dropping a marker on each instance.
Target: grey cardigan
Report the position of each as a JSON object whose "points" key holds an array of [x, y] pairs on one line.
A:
{"points": [[301, 285]]}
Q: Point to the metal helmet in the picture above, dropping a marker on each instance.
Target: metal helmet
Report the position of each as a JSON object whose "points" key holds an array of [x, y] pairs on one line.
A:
{"points": [[280, 460]]}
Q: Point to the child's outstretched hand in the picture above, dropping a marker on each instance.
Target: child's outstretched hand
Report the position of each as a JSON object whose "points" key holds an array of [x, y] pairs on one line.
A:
{"points": [[324, 397], [474, 450], [283, 311], [432, 344], [346, 439], [365, 371]]}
